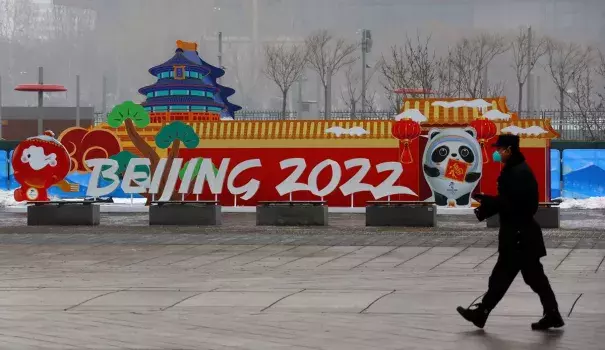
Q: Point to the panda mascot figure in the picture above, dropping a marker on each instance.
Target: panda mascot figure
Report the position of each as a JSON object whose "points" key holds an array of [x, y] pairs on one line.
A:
{"points": [[452, 164]]}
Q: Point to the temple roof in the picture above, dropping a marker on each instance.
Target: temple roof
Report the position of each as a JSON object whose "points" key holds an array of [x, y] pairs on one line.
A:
{"points": [[179, 59], [165, 84], [462, 116], [182, 100]]}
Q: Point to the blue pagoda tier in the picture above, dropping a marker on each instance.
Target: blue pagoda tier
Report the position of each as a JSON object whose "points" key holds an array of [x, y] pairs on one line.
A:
{"points": [[186, 89], [190, 51]]}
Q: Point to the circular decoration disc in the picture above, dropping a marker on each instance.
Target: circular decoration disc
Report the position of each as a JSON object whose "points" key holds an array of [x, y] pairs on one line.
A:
{"points": [[32, 194]]}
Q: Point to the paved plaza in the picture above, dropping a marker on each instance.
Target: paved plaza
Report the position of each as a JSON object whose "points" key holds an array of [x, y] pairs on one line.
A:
{"points": [[243, 287]]}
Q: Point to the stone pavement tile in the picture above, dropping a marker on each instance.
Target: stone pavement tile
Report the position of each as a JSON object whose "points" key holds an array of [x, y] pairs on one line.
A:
{"points": [[582, 260], [528, 304], [513, 304], [554, 257], [393, 257], [253, 255], [45, 299], [323, 257], [170, 254], [204, 256], [257, 300], [421, 303], [147, 299], [592, 303], [467, 259], [284, 257], [356, 257], [328, 301], [430, 259]]}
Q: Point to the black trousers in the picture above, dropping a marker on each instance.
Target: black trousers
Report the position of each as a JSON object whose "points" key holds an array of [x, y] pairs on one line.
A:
{"points": [[504, 273]]}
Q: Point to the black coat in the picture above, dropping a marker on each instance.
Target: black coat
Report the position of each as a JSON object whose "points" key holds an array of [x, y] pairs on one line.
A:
{"points": [[516, 203]]}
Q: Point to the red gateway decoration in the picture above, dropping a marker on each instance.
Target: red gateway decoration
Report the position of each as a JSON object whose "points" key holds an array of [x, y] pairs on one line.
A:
{"points": [[406, 131], [39, 163], [486, 129]]}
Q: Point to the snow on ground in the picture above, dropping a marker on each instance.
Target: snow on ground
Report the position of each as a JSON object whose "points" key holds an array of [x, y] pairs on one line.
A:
{"points": [[589, 203], [7, 199]]}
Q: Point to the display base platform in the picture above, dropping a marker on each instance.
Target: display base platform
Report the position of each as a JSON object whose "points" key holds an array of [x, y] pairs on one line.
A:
{"points": [[292, 214], [185, 214], [63, 214]]}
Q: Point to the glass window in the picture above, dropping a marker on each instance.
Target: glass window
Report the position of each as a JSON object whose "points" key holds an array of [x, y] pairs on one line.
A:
{"points": [[160, 109], [179, 92], [148, 109], [187, 74], [150, 94], [214, 109], [210, 94], [195, 75], [198, 108], [179, 108], [161, 93], [198, 93]]}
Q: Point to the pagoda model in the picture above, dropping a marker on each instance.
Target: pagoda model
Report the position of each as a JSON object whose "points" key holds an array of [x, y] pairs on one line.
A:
{"points": [[190, 52], [186, 89]]}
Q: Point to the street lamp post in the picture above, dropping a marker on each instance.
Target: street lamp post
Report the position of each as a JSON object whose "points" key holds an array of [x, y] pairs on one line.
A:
{"points": [[366, 47]]}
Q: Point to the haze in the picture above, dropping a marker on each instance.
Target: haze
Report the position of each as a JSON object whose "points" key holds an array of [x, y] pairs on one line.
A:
{"points": [[122, 39]]}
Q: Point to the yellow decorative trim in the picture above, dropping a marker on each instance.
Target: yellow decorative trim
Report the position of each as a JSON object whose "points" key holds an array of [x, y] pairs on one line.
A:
{"points": [[533, 143]]}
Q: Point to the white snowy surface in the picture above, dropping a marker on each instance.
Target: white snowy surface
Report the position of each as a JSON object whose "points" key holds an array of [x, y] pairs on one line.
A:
{"points": [[588, 203], [532, 130], [355, 131], [413, 114], [478, 103], [495, 114], [7, 199]]}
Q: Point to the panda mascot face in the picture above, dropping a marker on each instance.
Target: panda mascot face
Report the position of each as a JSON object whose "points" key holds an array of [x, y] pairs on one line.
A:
{"points": [[452, 165]]}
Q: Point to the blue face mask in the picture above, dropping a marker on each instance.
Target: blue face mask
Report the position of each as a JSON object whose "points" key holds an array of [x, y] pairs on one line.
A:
{"points": [[497, 157]]}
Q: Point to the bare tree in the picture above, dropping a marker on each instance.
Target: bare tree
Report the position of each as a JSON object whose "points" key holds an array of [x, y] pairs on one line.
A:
{"points": [[284, 66], [601, 73], [587, 103], [327, 56], [565, 61], [525, 58], [470, 59], [414, 66], [395, 72], [351, 91]]}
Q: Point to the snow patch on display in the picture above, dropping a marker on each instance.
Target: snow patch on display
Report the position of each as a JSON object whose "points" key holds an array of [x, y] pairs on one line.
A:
{"points": [[532, 130], [588, 203], [413, 114], [478, 103], [495, 114], [355, 131]]}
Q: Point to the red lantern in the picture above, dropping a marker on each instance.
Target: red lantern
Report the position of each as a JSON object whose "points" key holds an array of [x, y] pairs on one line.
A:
{"points": [[406, 130], [486, 129]]}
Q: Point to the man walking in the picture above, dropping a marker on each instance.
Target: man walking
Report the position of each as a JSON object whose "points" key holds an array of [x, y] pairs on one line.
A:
{"points": [[520, 241]]}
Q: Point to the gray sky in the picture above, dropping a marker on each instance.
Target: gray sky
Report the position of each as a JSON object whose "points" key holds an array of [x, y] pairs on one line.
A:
{"points": [[129, 36]]}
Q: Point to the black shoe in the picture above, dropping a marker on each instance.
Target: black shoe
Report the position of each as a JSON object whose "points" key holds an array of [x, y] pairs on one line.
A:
{"points": [[550, 320], [478, 315]]}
